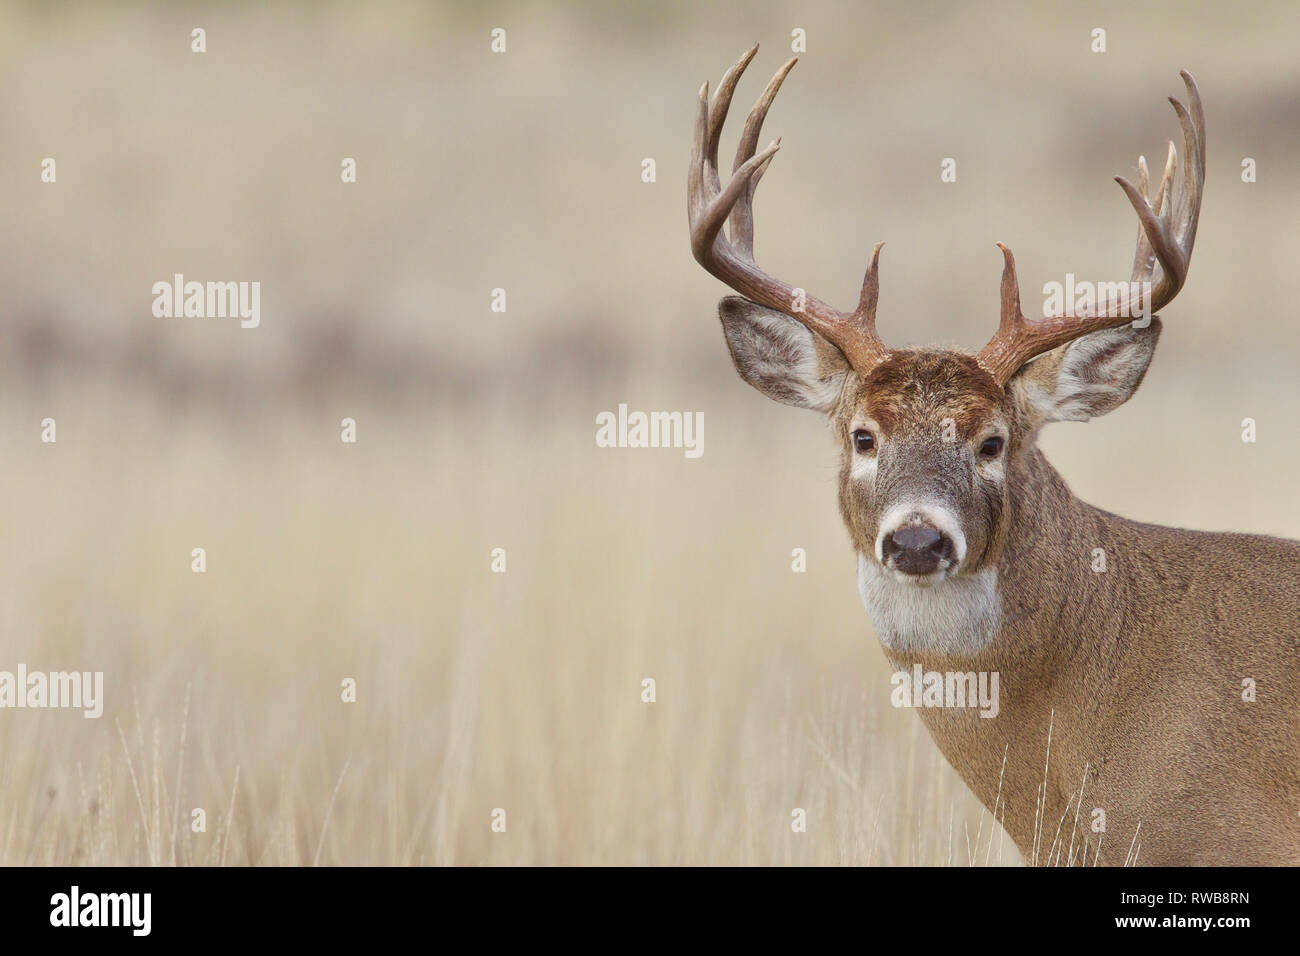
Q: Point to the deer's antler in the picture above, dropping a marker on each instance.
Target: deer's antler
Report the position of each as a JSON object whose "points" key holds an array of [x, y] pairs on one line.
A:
{"points": [[1166, 233], [709, 205]]}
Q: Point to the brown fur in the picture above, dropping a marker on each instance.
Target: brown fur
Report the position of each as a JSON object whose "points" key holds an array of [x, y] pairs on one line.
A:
{"points": [[935, 383], [1138, 670]]}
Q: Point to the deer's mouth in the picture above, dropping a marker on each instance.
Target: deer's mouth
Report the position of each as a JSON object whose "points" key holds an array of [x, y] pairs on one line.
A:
{"points": [[906, 573]]}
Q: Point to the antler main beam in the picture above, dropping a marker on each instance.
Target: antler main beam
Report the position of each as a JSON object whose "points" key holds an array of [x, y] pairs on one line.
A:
{"points": [[731, 259], [1166, 234]]}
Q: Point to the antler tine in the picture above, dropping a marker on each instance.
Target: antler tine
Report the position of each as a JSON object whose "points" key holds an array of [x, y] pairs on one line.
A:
{"points": [[1001, 353], [709, 204], [742, 216], [718, 112], [866, 312], [1011, 317], [1142, 255], [1166, 234], [1193, 125], [697, 196]]}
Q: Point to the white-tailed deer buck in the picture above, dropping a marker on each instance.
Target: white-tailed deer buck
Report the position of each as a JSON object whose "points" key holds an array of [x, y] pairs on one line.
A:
{"points": [[973, 555]]}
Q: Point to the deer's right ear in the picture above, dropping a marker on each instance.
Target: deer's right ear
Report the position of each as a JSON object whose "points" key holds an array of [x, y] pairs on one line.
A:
{"points": [[1088, 377], [781, 357]]}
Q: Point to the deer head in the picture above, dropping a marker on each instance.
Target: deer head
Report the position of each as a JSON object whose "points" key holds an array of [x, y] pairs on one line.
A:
{"points": [[933, 440]]}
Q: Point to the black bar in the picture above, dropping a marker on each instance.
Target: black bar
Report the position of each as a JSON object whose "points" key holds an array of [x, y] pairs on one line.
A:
{"points": [[940, 906]]}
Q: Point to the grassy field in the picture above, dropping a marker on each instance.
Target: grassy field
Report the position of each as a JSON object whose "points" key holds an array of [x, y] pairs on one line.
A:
{"points": [[372, 561]]}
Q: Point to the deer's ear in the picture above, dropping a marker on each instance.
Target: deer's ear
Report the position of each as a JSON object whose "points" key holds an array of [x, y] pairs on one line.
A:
{"points": [[1088, 377], [780, 357]]}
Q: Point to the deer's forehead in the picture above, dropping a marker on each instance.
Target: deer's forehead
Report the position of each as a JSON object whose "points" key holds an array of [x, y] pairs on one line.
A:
{"points": [[918, 389]]}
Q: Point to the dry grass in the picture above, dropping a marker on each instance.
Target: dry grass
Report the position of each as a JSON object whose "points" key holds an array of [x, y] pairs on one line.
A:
{"points": [[476, 691]]}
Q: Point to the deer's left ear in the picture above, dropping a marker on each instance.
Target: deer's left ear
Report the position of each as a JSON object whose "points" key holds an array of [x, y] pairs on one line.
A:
{"points": [[1088, 377], [781, 357]]}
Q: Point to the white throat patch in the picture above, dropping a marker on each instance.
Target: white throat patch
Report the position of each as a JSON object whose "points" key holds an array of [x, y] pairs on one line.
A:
{"points": [[957, 616]]}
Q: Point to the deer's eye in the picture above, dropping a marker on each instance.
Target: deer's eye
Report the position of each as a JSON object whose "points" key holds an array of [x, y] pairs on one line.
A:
{"points": [[863, 441], [991, 448]]}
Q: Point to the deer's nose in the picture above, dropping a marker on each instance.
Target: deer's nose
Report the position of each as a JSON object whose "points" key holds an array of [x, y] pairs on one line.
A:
{"points": [[916, 549]]}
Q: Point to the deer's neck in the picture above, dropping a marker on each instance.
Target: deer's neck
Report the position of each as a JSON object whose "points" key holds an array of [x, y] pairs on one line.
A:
{"points": [[1056, 586]]}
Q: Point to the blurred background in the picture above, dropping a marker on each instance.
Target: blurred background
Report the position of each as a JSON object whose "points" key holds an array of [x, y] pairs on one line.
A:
{"points": [[475, 429]]}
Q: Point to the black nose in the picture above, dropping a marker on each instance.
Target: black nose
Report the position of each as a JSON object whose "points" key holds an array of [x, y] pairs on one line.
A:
{"points": [[916, 549]]}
